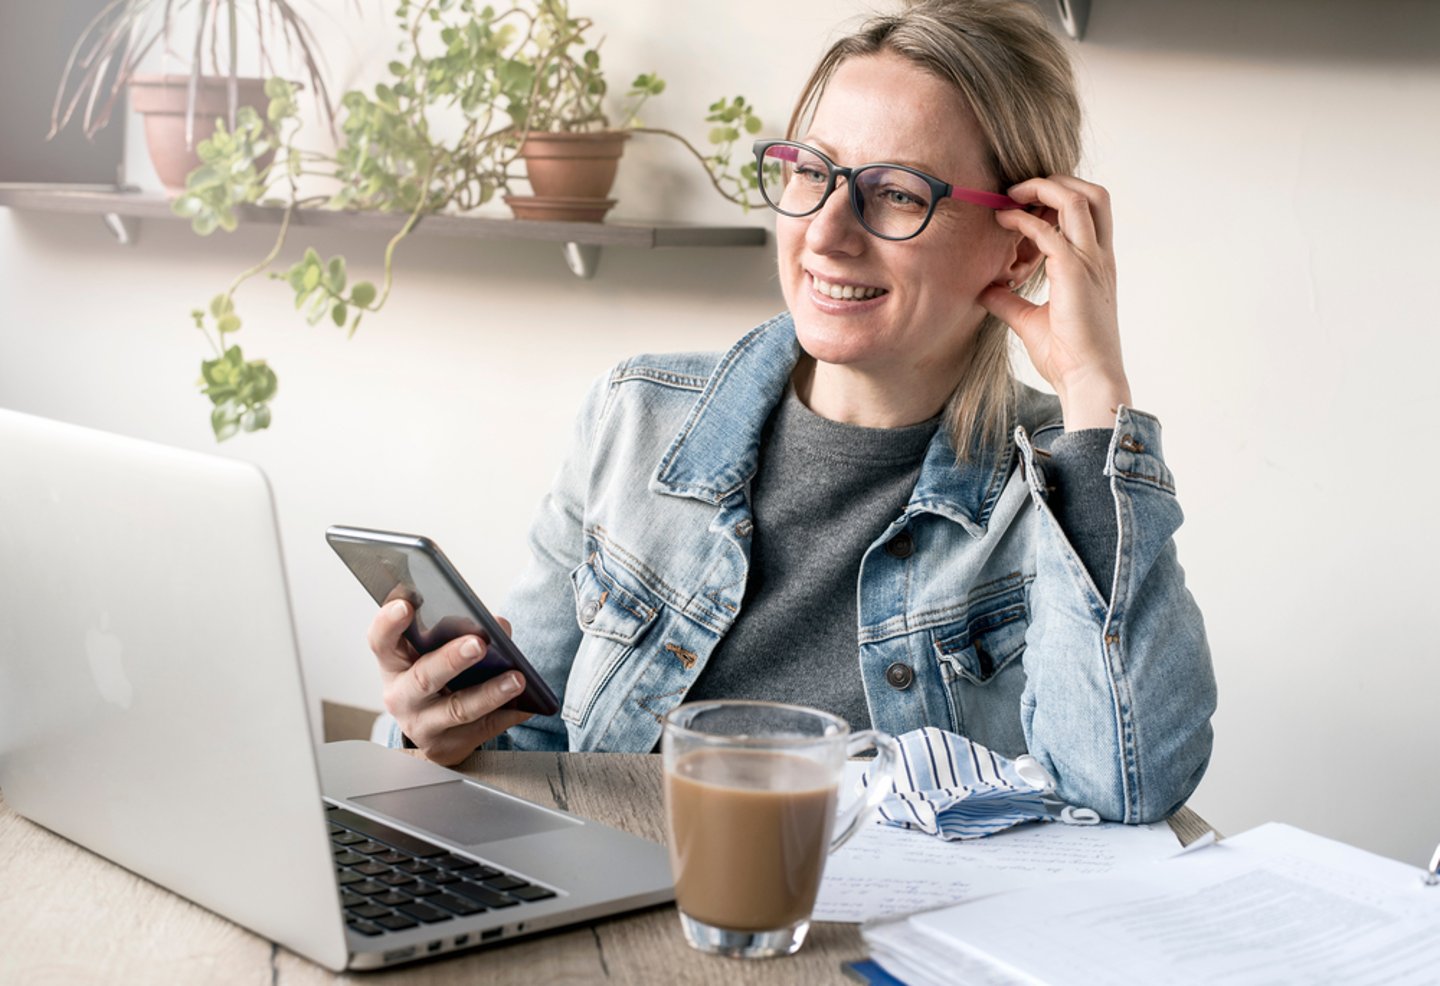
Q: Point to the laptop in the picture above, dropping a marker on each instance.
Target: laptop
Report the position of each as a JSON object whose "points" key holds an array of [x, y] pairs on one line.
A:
{"points": [[152, 710]]}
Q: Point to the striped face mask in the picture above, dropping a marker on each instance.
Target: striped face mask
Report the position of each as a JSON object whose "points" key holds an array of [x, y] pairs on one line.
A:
{"points": [[954, 788]]}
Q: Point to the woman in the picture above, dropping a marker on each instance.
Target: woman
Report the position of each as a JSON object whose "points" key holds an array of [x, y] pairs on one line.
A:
{"points": [[857, 507]]}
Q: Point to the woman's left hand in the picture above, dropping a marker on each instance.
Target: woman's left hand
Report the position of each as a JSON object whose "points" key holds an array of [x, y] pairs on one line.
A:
{"points": [[1074, 338]]}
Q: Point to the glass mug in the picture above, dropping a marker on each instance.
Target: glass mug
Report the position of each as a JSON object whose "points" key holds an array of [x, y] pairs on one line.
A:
{"points": [[750, 797]]}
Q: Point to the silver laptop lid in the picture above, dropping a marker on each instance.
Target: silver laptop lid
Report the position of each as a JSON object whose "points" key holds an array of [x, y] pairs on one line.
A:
{"points": [[151, 702]]}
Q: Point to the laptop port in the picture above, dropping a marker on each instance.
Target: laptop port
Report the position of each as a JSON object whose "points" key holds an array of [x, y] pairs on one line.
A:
{"points": [[398, 954], [462, 940], [492, 934], [434, 946]]}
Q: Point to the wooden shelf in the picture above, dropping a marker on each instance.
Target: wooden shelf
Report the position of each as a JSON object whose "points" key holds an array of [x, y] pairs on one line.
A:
{"points": [[581, 241]]}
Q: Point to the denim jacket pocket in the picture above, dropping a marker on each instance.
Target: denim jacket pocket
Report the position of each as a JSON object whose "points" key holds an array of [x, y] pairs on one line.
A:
{"points": [[980, 664], [613, 617]]}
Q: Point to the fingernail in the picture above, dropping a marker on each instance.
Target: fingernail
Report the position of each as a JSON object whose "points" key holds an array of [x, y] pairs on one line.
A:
{"points": [[510, 684], [470, 649], [397, 609]]}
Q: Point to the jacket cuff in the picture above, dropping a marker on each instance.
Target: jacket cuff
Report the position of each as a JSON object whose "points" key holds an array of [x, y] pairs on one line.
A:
{"points": [[1135, 453]]}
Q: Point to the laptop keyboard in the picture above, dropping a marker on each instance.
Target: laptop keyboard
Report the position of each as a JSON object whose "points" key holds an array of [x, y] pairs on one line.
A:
{"points": [[391, 880]]}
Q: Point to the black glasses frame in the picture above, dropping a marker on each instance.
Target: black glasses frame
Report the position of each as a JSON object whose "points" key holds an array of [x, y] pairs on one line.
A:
{"points": [[938, 189]]}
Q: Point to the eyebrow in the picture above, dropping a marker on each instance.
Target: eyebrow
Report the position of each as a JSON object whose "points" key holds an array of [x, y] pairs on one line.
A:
{"points": [[830, 152]]}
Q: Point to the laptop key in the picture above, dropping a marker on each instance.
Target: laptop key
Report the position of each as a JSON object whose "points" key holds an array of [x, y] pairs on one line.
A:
{"points": [[424, 912], [365, 927], [370, 847], [347, 899], [346, 878], [396, 922], [505, 883], [398, 879], [347, 838], [422, 890], [415, 866], [373, 869], [441, 878], [455, 864], [384, 833], [532, 893], [481, 895], [369, 888], [393, 857], [368, 911], [348, 858], [459, 905], [393, 898]]}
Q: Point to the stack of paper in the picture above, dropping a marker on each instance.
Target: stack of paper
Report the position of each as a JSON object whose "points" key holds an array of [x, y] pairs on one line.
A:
{"points": [[1274, 905]]}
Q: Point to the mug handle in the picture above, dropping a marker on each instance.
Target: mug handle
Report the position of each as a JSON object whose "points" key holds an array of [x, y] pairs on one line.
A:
{"points": [[888, 756]]}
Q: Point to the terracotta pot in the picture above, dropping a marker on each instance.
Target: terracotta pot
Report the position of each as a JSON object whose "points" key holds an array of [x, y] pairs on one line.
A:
{"points": [[559, 208], [162, 100], [571, 170]]}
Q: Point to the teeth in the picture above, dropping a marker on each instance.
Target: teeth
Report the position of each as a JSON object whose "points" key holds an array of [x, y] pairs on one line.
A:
{"points": [[848, 292]]}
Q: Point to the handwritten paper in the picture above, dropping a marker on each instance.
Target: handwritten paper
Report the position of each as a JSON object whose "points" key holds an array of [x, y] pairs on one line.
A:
{"points": [[884, 871]]}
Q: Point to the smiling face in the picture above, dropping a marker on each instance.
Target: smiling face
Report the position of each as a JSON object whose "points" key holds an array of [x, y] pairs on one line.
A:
{"points": [[894, 310]]}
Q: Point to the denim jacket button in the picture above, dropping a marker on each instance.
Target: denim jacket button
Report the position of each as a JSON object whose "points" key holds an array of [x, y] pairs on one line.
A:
{"points": [[589, 611], [899, 676], [901, 545]]}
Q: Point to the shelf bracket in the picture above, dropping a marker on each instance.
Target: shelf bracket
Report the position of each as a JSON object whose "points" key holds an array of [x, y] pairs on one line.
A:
{"points": [[1074, 15], [126, 229], [582, 259]]}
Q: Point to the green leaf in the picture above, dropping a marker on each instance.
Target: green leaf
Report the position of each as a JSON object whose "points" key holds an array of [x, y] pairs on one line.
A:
{"points": [[220, 304], [265, 384], [398, 68], [338, 315], [363, 293], [229, 322], [256, 418], [187, 206], [335, 277], [310, 280], [224, 421]]}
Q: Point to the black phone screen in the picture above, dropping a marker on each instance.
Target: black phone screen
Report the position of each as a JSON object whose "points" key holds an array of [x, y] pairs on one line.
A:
{"points": [[402, 566]]}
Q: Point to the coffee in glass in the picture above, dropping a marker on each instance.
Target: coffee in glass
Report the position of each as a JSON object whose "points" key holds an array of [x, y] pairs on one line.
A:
{"points": [[751, 791]]}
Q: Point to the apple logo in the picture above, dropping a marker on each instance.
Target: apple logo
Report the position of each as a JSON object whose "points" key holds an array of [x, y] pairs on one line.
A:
{"points": [[104, 651]]}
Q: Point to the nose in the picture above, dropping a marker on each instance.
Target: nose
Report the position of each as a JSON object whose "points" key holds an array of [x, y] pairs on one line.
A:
{"points": [[834, 229]]}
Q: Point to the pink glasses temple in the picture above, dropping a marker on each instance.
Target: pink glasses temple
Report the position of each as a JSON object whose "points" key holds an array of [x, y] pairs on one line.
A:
{"points": [[990, 200]]}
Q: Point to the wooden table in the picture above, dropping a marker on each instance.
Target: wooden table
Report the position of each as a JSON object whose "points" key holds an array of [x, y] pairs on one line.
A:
{"points": [[69, 916]]}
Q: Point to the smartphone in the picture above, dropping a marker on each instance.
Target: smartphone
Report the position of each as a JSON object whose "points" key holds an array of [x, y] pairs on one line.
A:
{"points": [[406, 566]]}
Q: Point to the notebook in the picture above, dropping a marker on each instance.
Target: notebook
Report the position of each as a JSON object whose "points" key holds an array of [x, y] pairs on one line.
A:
{"points": [[1274, 905], [152, 710]]}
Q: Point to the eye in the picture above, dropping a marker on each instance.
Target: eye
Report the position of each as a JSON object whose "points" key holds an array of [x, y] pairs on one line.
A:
{"points": [[811, 173], [900, 198]]}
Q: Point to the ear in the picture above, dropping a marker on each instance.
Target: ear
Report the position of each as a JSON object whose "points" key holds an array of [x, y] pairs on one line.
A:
{"points": [[1022, 261]]}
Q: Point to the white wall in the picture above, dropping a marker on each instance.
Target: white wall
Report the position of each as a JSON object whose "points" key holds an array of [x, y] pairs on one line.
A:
{"points": [[1273, 170]]}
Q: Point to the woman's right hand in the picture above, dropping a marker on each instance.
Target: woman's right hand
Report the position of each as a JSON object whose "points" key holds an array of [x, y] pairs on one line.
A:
{"points": [[446, 726]]}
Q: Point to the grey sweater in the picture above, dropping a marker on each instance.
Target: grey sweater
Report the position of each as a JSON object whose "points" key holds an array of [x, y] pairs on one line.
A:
{"points": [[823, 493]]}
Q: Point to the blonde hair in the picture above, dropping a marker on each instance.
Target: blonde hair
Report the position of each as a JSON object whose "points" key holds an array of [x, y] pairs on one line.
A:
{"points": [[1015, 75]]}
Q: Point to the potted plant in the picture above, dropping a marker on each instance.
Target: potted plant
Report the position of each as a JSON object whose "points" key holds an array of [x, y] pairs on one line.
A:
{"points": [[511, 76], [179, 110]]}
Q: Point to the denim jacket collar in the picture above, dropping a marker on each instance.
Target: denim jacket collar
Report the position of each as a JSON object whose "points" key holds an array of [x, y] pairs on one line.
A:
{"points": [[717, 449]]}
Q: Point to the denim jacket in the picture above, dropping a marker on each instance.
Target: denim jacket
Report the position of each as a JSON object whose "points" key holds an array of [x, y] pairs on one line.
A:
{"points": [[975, 613]]}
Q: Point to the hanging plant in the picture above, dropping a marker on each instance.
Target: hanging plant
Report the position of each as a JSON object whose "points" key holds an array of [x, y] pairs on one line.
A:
{"points": [[507, 73]]}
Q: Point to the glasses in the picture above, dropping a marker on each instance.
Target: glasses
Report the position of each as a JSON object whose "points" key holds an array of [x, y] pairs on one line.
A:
{"points": [[892, 201]]}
